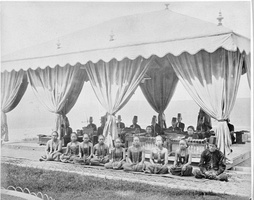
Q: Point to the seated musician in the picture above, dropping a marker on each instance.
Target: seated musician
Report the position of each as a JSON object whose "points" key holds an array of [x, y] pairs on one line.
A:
{"points": [[119, 123], [100, 153], [101, 128], [135, 157], [158, 158], [181, 166], [179, 123], [231, 130], [53, 149], [85, 151], [67, 136], [191, 133], [134, 123], [212, 163], [148, 133], [91, 125], [117, 156], [203, 128], [156, 129], [72, 150], [174, 128]]}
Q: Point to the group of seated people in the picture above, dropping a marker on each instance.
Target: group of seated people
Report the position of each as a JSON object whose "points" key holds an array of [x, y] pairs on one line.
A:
{"points": [[211, 166], [177, 126]]}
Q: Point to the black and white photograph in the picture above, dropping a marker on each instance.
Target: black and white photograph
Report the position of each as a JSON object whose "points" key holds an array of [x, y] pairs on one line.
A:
{"points": [[127, 100]]}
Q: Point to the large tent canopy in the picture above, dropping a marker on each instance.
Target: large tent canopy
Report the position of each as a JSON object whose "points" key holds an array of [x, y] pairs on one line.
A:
{"points": [[208, 59], [155, 33]]}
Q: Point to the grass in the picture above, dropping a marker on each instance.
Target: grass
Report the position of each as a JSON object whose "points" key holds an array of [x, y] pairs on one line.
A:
{"points": [[65, 186]]}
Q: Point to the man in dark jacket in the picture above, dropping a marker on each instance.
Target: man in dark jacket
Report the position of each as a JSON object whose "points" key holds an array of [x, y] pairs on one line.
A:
{"points": [[91, 124], [179, 124], [212, 163]]}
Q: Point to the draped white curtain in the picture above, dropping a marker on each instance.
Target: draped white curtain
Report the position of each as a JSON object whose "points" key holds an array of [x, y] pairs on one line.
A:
{"points": [[58, 88], [212, 79], [114, 83], [248, 68], [13, 87], [160, 88]]}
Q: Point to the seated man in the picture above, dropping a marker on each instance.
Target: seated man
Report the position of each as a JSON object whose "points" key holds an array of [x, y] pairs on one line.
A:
{"points": [[119, 123], [134, 123], [100, 153], [174, 128], [156, 129], [231, 130], [91, 125], [212, 163], [179, 124]]}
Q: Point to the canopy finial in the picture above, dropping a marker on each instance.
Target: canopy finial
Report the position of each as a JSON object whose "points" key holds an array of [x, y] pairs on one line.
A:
{"points": [[58, 44], [167, 5], [111, 36], [220, 18]]}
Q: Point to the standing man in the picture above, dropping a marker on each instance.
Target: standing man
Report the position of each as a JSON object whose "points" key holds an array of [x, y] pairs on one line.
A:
{"points": [[119, 123], [179, 124], [231, 130], [156, 129], [91, 125], [212, 163], [173, 127], [100, 129], [134, 123]]}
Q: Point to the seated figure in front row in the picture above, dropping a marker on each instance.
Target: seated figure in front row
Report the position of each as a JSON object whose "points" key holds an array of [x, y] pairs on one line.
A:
{"points": [[100, 152], [85, 151], [181, 166], [72, 151], [135, 157], [53, 149], [158, 159], [117, 156], [212, 163]]}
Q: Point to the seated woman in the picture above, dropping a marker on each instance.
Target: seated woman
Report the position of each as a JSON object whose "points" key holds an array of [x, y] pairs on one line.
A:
{"points": [[100, 152], [72, 150], [158, 159], [53, 149], [148, 133], [85, 151], [135, 157], [191, 134], [181, 166], [117, 156]]}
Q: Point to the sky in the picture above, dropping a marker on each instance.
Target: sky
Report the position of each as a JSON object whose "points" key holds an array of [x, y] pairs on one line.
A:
{"points": [[25, 24]]}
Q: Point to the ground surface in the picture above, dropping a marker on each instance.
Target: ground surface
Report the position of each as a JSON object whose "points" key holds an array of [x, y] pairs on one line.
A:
{"points": [[239, 183]]}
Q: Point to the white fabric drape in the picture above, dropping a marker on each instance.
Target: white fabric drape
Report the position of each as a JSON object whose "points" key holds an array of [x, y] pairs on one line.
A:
{"points": [[160, 89], [57, 88], [248, 68], [13, 87], [212, 79], [114, 83]]}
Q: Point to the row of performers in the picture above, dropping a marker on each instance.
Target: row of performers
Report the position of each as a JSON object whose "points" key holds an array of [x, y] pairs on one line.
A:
{"points": [[204, 124], [211, 166]]}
